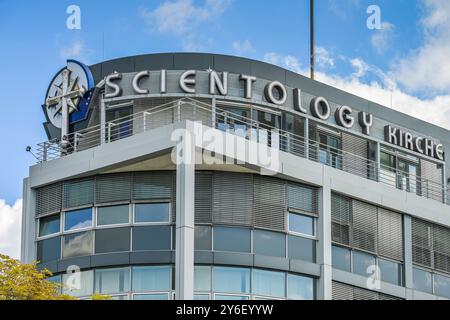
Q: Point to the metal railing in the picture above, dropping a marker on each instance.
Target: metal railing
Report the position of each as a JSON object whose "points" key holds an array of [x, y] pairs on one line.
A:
{"points": [[222, 119]]}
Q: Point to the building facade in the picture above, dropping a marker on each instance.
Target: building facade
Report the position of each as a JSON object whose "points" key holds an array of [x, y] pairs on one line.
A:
{"points": [[202, 176]]}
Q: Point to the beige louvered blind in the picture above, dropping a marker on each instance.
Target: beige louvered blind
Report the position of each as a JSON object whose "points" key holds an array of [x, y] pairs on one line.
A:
{"points": [[49, 199], [269, 204], [441, 248], [113, 187], [390, 234], [421, 242], [364, 226], [78, 193], [340, 219]]}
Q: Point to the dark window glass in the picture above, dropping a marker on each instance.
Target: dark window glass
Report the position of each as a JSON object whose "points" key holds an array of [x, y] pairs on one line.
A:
{"points": [[49, 225], [152, 278], [301, 248], [232, 239], [442, 286], [390, 271], [422, 280], [300, 287], [269, 243], [341, 258], [78, 219], [152, 212], [203, 238], [299, 223], [112, 240], [232, 280], [151, 238], [77, 244], [49, 249], [113, 215], [361, 262]]}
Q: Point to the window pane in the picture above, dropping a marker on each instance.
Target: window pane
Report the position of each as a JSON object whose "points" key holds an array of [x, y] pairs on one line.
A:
{"points": [[202, 278], [152, 212], [341, 258], [112, 240], [300, 288], [391, 272], [361, 262], [301, 249], [442, 286], [112, 215], [108, 281], [422, 280], [77, 244], [151, 238], [49, 225], [56, 280], [268, 283], [231, 280], [78, 219], [229, 297], [269, 243], [232, 239], [79, 284], [201, 296], [203, 238], [151, 297], [155, 278], [49, 249], [301, 224]]}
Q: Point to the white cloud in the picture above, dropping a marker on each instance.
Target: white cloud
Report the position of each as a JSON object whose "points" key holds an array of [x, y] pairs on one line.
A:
{"points": [[10, 228], [179, 17], [427, 68], [323, 58], [381, 39], [242, 47], [75, 50], [383, 91]]}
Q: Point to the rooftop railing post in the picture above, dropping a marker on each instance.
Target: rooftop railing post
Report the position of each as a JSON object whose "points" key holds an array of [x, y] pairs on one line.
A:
{"points": [[44, 155], [378, 163], [102, 120], [306, 146], [444, 184]]}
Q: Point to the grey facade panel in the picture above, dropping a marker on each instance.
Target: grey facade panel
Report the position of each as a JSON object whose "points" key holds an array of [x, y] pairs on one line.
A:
{"points": [[203, 257], [110, 259], [237, 259], [271, 262], [151, 257], [81, 262]]}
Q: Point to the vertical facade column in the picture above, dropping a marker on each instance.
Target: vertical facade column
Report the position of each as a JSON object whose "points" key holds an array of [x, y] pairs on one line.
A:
{"points": [[213, 112], [185, 193], [306, 138], [27, 254], [324, 244], [102, 119], [407, 244]]}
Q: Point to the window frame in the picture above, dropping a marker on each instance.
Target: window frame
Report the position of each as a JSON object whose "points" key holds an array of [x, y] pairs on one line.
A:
{"points": [[159, 201], [129, 223], [48, 236], [304, 214]]}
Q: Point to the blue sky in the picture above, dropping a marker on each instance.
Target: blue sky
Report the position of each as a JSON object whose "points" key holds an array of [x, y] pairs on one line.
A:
{"points": [[403, 65]]}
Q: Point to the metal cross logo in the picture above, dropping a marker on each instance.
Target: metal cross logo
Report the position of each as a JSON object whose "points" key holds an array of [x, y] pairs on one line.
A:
{"points": [[66, 99]]}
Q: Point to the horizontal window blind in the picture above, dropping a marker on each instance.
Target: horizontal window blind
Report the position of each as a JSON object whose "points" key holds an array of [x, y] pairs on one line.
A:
{"points": [[341, 291], [302, 197], [203, 197], [269, 203], [113, 187], [364, 226], [152, 185], [49, 199], [78, 193], [390, 234], [441, 246], [421, 242], [340, 219]]}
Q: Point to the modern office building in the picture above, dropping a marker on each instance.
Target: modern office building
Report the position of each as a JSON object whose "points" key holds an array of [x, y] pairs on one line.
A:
{"points": [[182, 176]]}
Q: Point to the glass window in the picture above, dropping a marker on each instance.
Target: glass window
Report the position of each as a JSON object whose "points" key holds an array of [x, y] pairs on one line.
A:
{"points": [[300, 287], [112, 240], [78, 219], [341, 258], [56, 280], [301, 224], [80, 284], [442, 286], [422, 280], [230, 297], [361, 262], [203, 238], [232, 239], [154, 278], [113, 215], [151, 238], [108, 281], [268, 283], [119, 298], [391, 272], [49, 249], [49, 225], [269, 243], [202, 278], [329, 150], [200, 296], [301, 248], [77, 244], [151, 212], [162, 296], [234, 280]]}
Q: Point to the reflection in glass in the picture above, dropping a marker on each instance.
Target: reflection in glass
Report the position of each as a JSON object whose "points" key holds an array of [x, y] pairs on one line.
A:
{"points": [[341, 258], [163, 296], [203, 238], [49, 225], [234, 280], [202, 278], [300, 288], [442, 286], [301, 224], [362, 262], [109, 281], [153, 278], [230, 297], [77, 244], [268, 283], [232, 239], [78, 219], [301, 248], [390, 271], [152, 212], [80, 284], [422, 280], [113, 215], [269, 243]]}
